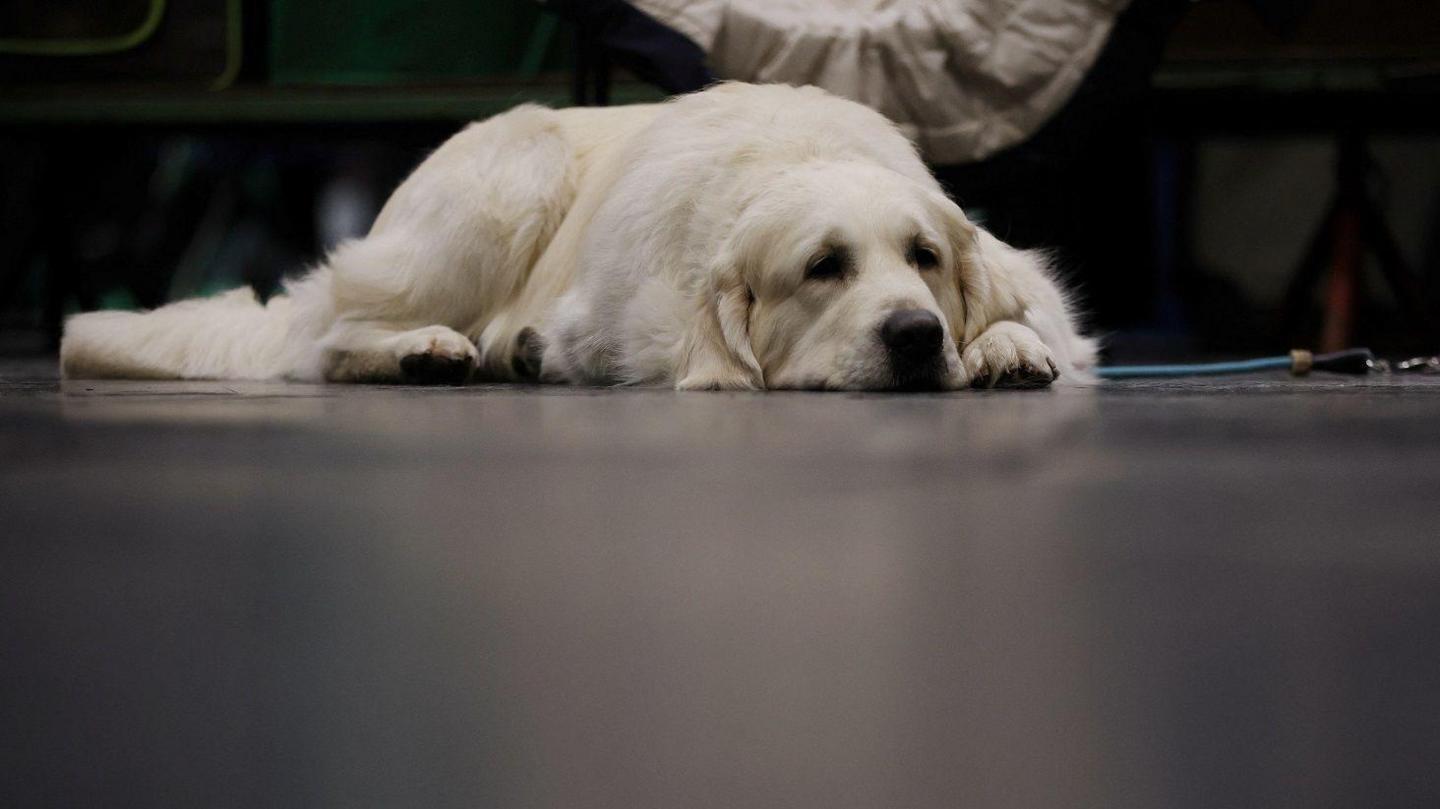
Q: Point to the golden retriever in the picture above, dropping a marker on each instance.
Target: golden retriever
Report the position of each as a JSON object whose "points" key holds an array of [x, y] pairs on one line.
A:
{"points": [[743, 237]]}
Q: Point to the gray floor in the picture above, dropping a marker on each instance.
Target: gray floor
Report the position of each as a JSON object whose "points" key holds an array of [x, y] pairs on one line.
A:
{"points": [[1147, 595]]}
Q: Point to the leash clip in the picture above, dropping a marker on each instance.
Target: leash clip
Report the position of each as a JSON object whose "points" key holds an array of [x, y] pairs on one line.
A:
{"points": [[1418, 365]]}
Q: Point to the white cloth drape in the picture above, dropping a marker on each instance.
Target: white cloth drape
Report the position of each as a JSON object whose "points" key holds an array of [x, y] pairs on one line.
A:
{"points": [[964, 78]]}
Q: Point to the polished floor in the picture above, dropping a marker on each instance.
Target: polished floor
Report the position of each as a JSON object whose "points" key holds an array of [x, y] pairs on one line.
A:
{"points": [[1194, 594]]}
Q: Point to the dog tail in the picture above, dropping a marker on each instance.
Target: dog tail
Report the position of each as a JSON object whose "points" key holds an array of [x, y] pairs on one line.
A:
{"points": [[228, 336]]}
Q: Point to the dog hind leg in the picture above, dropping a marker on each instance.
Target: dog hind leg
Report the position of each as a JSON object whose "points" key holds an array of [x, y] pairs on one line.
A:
{"points": [[382, 352]]}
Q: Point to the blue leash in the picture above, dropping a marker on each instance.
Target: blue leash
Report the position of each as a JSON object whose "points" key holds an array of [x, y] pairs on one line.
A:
{"points": [[1199, 369], [1298, 362]]}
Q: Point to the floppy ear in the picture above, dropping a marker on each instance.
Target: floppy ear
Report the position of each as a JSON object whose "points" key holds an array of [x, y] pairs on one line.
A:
{"points": [[716, 353], [999, 282], [972, 272]]}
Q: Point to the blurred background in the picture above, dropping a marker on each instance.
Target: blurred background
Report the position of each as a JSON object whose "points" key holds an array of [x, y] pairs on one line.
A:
{"points": [[1218, 177]]}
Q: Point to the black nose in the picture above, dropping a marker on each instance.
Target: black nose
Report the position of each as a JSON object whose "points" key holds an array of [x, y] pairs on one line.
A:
{"points": [[912, 335]]}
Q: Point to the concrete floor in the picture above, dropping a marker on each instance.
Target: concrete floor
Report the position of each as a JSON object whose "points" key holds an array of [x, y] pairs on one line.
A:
{"points": [[1192, 594]]}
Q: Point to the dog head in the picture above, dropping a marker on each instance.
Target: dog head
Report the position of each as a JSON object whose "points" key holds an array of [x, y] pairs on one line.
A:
{"points": [[837, 276]]}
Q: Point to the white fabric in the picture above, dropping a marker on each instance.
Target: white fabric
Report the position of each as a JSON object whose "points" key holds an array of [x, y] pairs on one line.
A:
{"points": [[964, 78]]}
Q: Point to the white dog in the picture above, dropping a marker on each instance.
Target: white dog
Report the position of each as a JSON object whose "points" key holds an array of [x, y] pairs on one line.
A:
{"points": [[743, 237]]}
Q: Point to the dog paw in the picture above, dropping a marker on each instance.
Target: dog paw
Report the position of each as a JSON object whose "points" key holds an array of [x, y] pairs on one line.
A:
{"points": [[436, 355], [529, 349], [1008, 355]]}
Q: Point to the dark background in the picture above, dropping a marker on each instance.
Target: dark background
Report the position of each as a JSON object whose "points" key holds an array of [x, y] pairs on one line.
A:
{"points": [[1186, 188]]}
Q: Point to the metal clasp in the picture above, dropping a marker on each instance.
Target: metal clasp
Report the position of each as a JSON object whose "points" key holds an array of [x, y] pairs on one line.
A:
{"points": [[1418, 365]]}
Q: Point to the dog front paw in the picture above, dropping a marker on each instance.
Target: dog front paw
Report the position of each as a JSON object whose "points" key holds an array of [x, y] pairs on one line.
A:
{"points": [[1008, 355]]}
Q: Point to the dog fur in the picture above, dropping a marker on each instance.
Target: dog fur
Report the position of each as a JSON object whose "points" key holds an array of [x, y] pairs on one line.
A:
{"points": [[671, 244]]}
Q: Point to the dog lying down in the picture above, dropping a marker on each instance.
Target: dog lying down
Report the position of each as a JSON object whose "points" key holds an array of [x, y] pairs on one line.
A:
{"points": [[739, 238]]}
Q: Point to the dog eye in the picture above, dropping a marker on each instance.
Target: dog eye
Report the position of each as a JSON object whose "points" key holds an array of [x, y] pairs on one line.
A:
{"points": [[830, 265], [924, 257]]}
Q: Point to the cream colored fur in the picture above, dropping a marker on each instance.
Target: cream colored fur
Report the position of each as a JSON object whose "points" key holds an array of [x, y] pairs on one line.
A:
{"points": [[661, 244]]}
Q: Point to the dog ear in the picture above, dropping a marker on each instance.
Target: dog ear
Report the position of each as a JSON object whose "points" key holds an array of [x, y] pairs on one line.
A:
{"points": [[972, 273], [1000, 282], [716, 353]]}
